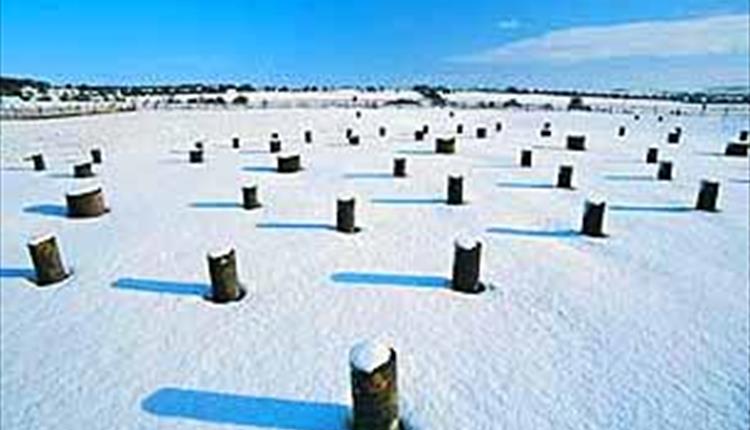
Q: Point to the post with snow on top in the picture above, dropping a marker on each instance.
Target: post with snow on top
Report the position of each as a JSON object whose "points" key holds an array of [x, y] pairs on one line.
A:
{"points": [[374, 385]]}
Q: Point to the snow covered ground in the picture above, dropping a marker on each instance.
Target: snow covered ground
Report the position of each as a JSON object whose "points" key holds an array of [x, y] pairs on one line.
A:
{"points": [[645, 329]]}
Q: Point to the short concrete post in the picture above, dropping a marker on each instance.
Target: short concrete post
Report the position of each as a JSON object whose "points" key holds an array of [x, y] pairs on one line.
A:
{"points": [[708, 196], [374, 387], [593, 219], [45, 256], [83, 170], [349, 133], [736, 149], [576, 142], [196, 155], [274, 146], [498, 127], [382, 131], [250, 197], [460, 129], [345, 222], [425, 129], [308, 136], [236, 142], [358, 114], [275, 136], [621, 131], [445, 145], [481, 133], [96, 155], [419, 135], [565, 177], [545, 133], [199, 145], [38, 160], [665, 171], [225, 284], [86, 203], [354, 140], [466, 266], [637, 117], [455, 190], [673, 137], [652, 156], [288, 163], [660, 118], [399, 167], [451, 114], [744, 135], [525, 158]]}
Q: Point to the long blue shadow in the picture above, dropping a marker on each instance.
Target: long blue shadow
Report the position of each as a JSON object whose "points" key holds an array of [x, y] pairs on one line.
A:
{"points": [[661, 209], [525, 185], [295, 226], [372, 175], [644, 178], [215, 205], [254, 151], [390, 279], [739, 181], [168, 287], [17, 272], [551, 234], [61, 175], [47, 210], [425, 201], [246, 410], [260, 169], [415, 152]]}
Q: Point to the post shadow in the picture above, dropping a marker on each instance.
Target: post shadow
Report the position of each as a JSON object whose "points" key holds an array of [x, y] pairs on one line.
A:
{"points": [[415, 152], [390, 279], [260, 169], [643, 178], [407, 201], [223, 408], [295, 226], [368, 175], [542, 234], [17, 273], [526, 185], [167, 287], [216, 205], [648, 208], [47, 210]]}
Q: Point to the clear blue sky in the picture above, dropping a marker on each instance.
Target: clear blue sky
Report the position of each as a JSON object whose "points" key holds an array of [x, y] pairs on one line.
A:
{"points": [[393, 42]]}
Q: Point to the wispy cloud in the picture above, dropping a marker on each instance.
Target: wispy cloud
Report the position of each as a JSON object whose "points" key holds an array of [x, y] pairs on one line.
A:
{"points": [[716, 35], [509, 24]]}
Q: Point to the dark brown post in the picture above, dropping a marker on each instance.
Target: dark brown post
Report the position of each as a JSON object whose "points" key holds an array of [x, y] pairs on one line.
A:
{"points": [[445, 145], [199, 145], [45, 256], [349, 133], [345, 215], [425, 129], [621, 131], [455, 190], [382, 131], [481, 133], [660, 118], [358, 114], [565, 177], [545, 133], [593, 219], [652, 156], [451, 114], [274, 146], [275, 136], [354, 140], [399, 167], [250, 197], [374, 387], [85, 204], [744, 135], [460, 129], [708, 196], [525, 158], [288, 164], [665, 171], [736, 149], [83, 170], [673, 137], [576, 143], [308, 136], [236, 142], [225, 284], [38, 160], [196, 155], [96, 155], [498, 127], [637, 117], [466, 266], [418, 136]]}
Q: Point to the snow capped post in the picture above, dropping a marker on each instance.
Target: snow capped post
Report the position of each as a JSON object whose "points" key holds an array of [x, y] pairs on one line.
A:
{"points": [[565, 177], [250, 197], [466, 265], [498, 126], [358, 114], [196, 155], [576, 142], [425, 129], [349, 133], [288, 163], [652, 156], [674, 136], [455, 190], [235, 142], [222, 268], [445, 145], [345, 214], [419, 135], [374, 383], [665, 171], [744, 135], [736, 149], [354, 139], [38, 160], [96, 155], [481, 133], [593, 218], [399, 167], [460, 129], [546, 131], [382, 131], [274, 145], [86, 203], [83, 170], [308, 136], [525, 158], [199, 145], [45, 256], [621, 131], [708, 196]]}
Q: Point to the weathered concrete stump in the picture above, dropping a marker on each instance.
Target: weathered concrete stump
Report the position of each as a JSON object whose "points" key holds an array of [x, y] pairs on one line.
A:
{"points": [[354, 140], [382, 131], [621, 131], [593, 219], [744, 135], [455, 190], [445, 145], [565, 177], [481, 133], [466, 266], [419, 135], [399, 167], [460, 129], [652, 156], [236, 142], [83, 170], [86, 203], [38, 160], [274, 146], [665, 171], [225, 284], [673, 137], [288, 163], [45, 256], [526, 158], [196, 155], [576, 143], [345, 222], [96, 155], [498, 127], [308, 136], [736, 149], [708, 196], [374, 387], [250, 197]]}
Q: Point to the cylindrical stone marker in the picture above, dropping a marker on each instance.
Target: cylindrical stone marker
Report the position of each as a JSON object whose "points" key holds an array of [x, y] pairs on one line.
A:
{"points": [[45, 256], [399, 167], [250, 197], [225, 284], [345, 222], [274, 146], [196, 155], [593, 219], [289, 163], [665, 171], [565, 177], [83, 170], [86, 203], [445, 145], [481, 133], [652, 156], [708, 196], [526, 158], [96, 155], [455, 190], [576, 142], [38, 160], [374, 387], [308, 136], [466, 266]]}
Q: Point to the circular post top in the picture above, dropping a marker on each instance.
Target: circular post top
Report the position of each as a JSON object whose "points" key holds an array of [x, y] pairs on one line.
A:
{"points": [[369, 355], [40, 238], [467, 241], [82, 191]]}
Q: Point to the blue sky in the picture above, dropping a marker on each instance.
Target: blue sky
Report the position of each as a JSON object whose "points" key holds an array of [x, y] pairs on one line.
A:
{"points": [[597, 44]]}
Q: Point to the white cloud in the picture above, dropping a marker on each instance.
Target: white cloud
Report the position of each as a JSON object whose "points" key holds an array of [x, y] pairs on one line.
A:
{"points": [[726, 34], [509, 24]]}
